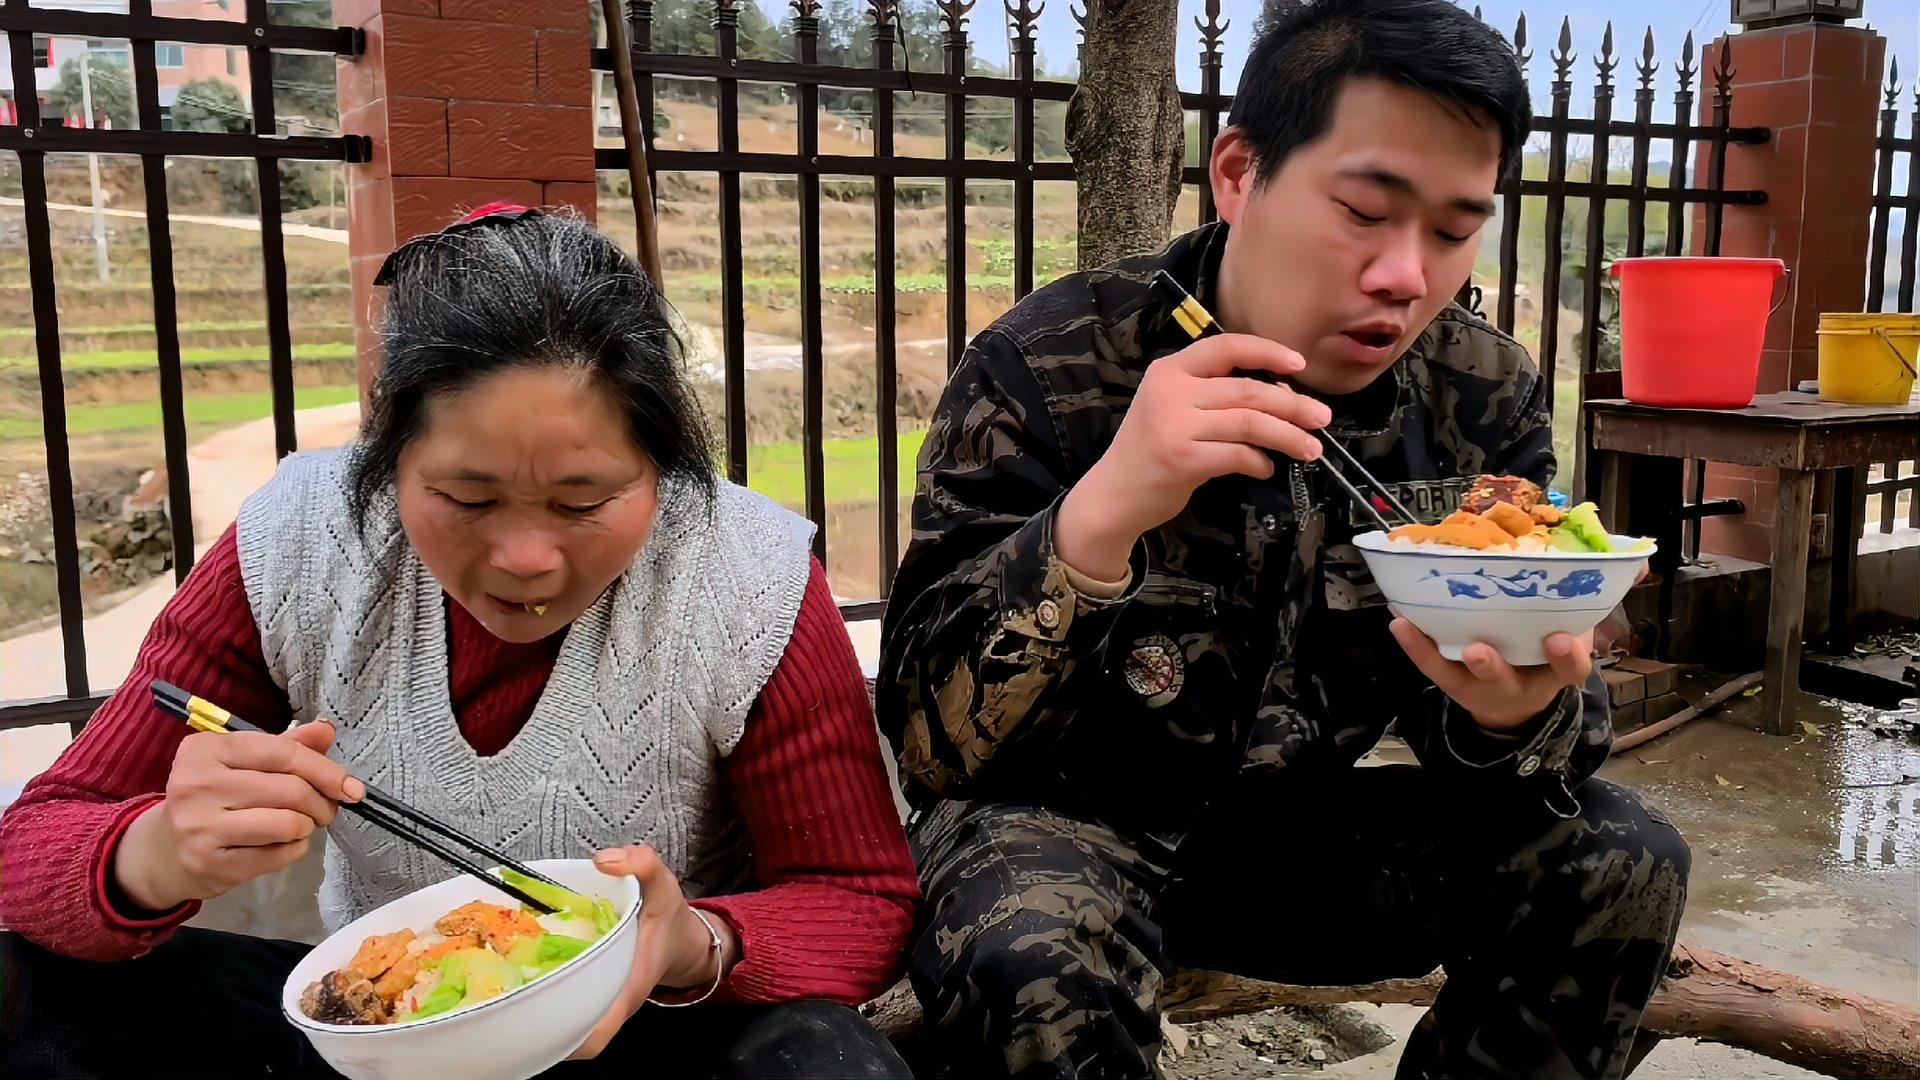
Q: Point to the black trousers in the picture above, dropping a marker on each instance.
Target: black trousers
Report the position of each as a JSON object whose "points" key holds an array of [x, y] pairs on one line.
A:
{"points": [[1044, 939], [207, 1004]]}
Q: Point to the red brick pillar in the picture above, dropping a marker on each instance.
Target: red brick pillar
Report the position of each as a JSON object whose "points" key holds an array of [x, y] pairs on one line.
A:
{"points": [[466, 101], [1816, 86]]}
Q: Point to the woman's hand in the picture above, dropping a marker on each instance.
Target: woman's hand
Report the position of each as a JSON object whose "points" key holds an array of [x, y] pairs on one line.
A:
{"points": [[1496, 694], [237, 805], [672, 949]]}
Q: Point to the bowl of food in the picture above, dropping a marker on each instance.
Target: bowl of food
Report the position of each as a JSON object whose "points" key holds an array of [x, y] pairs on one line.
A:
{"points": [[1507, 568], [458, 980]]}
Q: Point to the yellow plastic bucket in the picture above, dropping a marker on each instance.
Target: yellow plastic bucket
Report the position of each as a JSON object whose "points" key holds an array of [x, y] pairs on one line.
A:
{"points": [[1868, 358]]}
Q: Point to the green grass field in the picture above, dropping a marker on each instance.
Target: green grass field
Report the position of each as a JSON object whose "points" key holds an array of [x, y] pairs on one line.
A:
{"points": [[848, 284], [13, 333], [776, 469], [200, 408], [137, 359]]}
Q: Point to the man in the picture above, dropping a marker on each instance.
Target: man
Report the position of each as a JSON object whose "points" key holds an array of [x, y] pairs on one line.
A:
{"points": [[1132, 660]]}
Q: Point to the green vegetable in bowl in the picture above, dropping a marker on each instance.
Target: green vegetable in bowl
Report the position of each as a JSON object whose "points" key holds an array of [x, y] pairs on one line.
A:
{"points": [[537, 956], [597, 908], [1581, 530], [446, 994]]}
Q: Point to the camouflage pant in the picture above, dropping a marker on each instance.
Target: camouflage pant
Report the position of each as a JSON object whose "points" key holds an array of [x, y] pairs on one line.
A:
{"points": [[1044, 939]]}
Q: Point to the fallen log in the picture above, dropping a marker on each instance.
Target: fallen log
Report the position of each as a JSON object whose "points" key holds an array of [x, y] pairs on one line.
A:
{"points": [[1706, 995], [1717, 998]]}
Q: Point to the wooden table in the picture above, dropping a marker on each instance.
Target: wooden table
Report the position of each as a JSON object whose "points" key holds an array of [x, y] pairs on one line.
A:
{"points": [[1798, 434]]}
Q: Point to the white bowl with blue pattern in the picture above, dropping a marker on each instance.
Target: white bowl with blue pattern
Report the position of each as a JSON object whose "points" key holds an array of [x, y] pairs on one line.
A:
{"points": [[1511, 600]]}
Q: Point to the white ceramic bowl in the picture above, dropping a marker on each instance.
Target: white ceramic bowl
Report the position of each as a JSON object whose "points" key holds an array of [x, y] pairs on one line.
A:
{"points": [[1510, 600], [518, 1034]]}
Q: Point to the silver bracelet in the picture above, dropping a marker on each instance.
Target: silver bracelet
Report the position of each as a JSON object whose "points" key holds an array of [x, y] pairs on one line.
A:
{"points": [[719, 972]]}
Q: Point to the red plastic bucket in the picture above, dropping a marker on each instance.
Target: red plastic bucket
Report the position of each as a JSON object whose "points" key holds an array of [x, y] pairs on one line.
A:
{"points": [[1691, 328]]}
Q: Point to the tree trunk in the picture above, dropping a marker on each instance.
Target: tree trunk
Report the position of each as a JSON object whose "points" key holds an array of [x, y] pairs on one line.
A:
{"points": [[1126, 130], [1706, 996], [1717, 998]]}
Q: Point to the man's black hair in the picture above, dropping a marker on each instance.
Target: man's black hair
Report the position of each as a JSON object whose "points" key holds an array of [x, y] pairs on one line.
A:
{"points": [[1305, 54]]}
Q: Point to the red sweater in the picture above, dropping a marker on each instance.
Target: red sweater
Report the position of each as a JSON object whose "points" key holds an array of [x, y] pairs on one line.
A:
{"points": [[835, 887]]}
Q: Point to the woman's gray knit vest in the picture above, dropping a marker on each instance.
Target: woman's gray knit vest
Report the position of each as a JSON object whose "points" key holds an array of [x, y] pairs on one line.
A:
{"points": [[650, 690]]}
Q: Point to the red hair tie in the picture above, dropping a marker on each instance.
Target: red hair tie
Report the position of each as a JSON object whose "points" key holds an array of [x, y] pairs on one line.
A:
{"points": [[510, 209]]}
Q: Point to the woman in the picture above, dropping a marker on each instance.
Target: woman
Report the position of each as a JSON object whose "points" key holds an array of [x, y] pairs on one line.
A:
{"points": [[523, 603]]}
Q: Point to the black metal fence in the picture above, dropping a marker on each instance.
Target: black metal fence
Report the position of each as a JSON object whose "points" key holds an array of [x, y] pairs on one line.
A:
{"points": [[31, 138], [1568, 166], [1885, 275], [1571, 197]]}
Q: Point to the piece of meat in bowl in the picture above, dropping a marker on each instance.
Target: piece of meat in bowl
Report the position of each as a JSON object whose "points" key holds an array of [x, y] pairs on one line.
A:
{"points": [[1485, 492], [341, 997]]}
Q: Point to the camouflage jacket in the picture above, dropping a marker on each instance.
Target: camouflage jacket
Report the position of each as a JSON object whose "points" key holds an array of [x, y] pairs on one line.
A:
{"points": [[1251, 636]]}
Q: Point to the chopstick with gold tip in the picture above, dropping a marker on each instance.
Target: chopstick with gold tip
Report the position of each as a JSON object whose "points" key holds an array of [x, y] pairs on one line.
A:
{"points": [[1193, 318], [379, 808]]}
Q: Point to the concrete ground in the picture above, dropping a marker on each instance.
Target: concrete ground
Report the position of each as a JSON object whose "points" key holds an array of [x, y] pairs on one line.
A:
{"points": [[1805, 857]]}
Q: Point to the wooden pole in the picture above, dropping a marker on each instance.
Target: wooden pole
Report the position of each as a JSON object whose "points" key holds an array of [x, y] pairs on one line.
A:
{"points": [[1706, 996], [1719, 697], [645, 227]]}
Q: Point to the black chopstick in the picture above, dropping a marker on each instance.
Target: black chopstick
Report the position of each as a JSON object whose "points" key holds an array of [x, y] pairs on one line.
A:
{"points": [[448, 855], [376, 817], [377, 805], [1385, 492], [390, 803], [1354, 493], [1193, 318]]}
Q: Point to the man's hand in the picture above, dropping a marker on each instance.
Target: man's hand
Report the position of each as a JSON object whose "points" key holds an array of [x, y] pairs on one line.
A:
{"points": [[1496, 694], [1191, 420]]}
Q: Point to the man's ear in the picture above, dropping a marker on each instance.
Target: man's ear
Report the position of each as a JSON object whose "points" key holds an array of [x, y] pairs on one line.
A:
{"points": [[1233, 173]]}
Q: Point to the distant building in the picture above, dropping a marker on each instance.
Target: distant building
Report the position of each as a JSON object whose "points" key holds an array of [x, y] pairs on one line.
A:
{"points": [[175, 64]]}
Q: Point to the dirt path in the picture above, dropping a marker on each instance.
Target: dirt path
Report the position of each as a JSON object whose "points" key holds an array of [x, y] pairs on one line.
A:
{"points": [[224, 470], [244, 224]]}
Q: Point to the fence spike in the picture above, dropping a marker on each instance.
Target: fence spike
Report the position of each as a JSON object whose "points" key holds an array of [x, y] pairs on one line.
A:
{"points": [[1686, 68], [1563, 56], [1606, 61], [954, 14], [1520, 41], [1893, 82], [1723, 72], [1024, 17], [1647, 66], [1211, 30]]}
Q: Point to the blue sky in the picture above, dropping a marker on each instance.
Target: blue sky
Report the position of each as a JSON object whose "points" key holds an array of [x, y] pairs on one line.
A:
{"points": [[1899, 20]]}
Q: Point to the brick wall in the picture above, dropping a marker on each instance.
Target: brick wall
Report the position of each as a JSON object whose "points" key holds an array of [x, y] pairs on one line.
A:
{"points": [[467, 102], [1816, 87]]}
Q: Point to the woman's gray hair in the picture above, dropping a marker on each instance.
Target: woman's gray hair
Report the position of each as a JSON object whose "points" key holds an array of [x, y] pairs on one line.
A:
{"points": [[527, 290]]}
